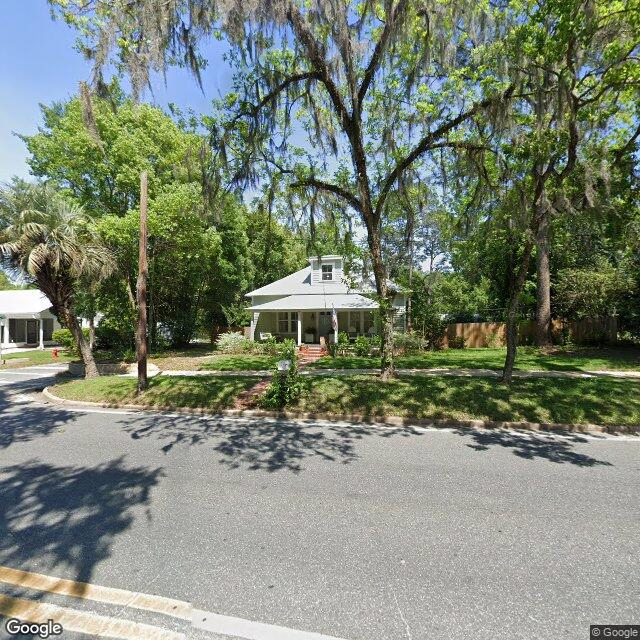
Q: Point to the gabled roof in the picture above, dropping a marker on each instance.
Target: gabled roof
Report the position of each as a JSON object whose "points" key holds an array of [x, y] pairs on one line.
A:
{"points": [[23, 302], [337, 301], [300, 283]]}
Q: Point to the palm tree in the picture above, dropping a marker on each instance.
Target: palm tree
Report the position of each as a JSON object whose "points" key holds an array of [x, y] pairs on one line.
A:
{"points": [[53, 242]]}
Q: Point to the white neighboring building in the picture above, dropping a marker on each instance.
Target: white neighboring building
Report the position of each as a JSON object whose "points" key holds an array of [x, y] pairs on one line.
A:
{"points": [[300, 306], [28, 321]]}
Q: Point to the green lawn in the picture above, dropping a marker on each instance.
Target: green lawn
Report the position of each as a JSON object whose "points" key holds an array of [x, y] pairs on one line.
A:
{"points": [[603, 401], [30, 358], [210, 393], [577, 359], [205, 358]]}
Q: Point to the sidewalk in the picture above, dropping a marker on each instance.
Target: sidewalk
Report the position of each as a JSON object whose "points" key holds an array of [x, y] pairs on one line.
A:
{"points": [[468, 373]]}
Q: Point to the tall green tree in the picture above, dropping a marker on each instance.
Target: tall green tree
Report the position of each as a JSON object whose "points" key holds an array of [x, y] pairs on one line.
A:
{"points": [[100, 166]]}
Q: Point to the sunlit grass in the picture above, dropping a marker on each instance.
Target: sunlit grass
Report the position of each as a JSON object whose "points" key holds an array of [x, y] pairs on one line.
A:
{"points": [[176, 391], [599, 400], [577, 359]]}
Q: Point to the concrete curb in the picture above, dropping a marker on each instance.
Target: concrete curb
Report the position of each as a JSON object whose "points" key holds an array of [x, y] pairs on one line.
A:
{"points": [[394, 421]]}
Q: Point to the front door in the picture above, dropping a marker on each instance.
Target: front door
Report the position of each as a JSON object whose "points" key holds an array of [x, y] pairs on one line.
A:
{"points": [[32, 331], [324, 324]]}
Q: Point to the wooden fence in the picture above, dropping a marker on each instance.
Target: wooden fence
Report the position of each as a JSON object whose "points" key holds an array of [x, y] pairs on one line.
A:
{"points": [[492, 334]]}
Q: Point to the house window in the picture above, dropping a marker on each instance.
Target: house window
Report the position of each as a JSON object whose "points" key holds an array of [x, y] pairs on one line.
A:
{"points": [[47, 329], [327, 272], [287, 322]]}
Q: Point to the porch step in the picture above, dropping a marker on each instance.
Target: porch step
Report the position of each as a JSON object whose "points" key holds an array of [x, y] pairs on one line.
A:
{"points": [[309, 353]]}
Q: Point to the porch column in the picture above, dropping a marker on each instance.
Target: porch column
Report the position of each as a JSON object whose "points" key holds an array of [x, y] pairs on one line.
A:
{"points": [[299, 328], [362, 322], [6, 341], [41, 333], [254, 323]]}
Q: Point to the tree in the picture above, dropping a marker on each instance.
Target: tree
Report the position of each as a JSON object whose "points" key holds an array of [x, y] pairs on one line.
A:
{"points": [[54, 243], [572, 61], [100, 168], [379, 84]]}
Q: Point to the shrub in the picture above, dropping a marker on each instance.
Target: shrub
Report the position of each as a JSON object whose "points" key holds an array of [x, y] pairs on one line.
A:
{"points": [[115, 334], [233, 342], [362, 346], [434, 329], [285, 387], [408, 342], [269, 346], [66, 339], [457, 342]]}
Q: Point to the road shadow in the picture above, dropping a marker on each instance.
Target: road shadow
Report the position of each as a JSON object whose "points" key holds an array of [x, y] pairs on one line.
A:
{"points": [[63, 519], [531, 445], [22, 422], [260, 444]]}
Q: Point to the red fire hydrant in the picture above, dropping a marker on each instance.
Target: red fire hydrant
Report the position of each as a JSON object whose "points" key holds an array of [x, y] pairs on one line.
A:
{"points": [[54, 354]]}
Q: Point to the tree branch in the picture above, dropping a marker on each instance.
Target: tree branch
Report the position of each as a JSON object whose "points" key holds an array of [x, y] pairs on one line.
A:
{"points": [[429, 141], [318, 62], [332, 188], [380, 47], [309, 75]]}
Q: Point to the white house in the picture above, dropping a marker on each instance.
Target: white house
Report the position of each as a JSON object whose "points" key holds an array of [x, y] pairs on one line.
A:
{"points": [[26, 318], [300, 306]]}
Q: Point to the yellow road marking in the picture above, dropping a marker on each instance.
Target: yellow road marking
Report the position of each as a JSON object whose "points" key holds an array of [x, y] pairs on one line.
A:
{"points": [[82, 621], [86, 591]]}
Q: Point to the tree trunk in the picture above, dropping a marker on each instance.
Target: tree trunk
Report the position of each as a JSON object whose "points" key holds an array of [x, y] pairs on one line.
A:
{"points": [[90, 368], [511, 329], [92, 332], [387, 370], [543, 311], [141, 290]]}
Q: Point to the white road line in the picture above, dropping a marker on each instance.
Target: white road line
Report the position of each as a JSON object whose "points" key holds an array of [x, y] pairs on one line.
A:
{"points": [[33, 374], [249, 630]]}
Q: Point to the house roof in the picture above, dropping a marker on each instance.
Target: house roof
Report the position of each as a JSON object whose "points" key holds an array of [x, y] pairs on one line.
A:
{"points": [[339, 301], [23, 302], [300, 283]]}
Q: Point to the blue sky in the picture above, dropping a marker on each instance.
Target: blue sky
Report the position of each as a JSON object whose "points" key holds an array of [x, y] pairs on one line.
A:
{"points": [[38, 64]]}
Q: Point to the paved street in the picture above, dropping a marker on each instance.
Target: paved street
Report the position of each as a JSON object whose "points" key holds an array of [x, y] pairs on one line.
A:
{"points": [[353, 532]]}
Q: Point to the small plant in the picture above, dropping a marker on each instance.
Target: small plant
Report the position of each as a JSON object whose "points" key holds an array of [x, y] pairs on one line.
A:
{"points": [[362, 346], [233, 342], [343, 343], [286, 386], [457, 342], [128, 355], [492, 341]]}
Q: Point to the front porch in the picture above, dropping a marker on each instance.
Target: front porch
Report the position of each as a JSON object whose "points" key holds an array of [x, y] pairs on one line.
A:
{"points": [[312, 326], [27, 332]]}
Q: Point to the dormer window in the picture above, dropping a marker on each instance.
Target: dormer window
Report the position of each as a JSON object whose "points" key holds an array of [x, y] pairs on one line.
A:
{"points": [[327, 272]]}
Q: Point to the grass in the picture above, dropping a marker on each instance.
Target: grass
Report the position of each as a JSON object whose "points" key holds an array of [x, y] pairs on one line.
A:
{"points": [[577, 359], [31, 358], [204, 358], [209, 393], [604, 401]]}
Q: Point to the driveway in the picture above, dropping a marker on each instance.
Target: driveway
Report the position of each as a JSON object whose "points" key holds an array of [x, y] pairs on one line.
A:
{"points": [[351, 532]]}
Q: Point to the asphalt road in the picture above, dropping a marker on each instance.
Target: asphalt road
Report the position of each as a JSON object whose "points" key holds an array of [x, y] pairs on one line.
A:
{"points": [[354, 532]]}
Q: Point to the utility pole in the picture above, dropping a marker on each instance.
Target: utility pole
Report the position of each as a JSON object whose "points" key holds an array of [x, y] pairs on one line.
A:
{"points": [[141, 290]]}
